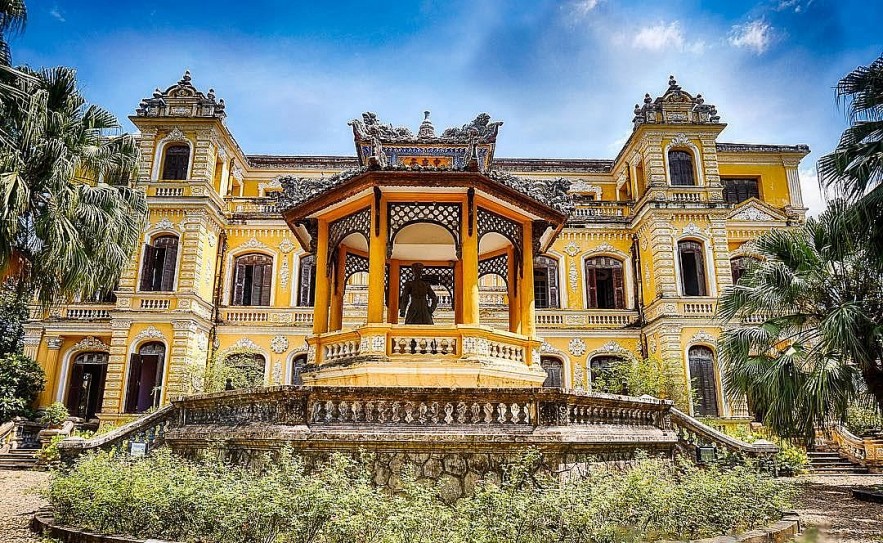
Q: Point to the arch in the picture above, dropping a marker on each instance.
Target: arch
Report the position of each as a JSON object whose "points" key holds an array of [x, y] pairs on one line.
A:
{"points": [[89, 343], [146, 375], [702, 372], [739, 264], [253, 368], [692, 269], [605, 282], [600, 367], [250, 247], [175, 137], [423, 240], [554, 368], [159, 263], [298, 363], [401, 214], [252, 280], [681, 143], [494, 223], [85, 385]]}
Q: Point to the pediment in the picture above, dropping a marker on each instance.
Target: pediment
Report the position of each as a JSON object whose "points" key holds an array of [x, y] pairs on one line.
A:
{"points": [[755, 210]]}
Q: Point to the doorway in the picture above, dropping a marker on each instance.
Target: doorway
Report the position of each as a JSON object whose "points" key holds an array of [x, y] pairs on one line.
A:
{"points": [[86, 385], [145, 378]]}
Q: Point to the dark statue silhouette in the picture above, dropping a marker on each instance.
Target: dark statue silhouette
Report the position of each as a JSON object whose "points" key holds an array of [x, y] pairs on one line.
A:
{"points": [[418, 300]]}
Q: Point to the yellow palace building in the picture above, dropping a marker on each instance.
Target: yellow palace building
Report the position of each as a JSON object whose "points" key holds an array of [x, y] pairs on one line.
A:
{"points": [[545, 271]]}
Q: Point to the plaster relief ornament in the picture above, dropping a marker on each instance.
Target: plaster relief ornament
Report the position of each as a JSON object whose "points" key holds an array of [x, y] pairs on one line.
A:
{"points": [[692, 230], [604, 248], [573, 276], [286, 246], [680, 139], [613, 347], [162, 224], [254, 243], [572, 249], [91, 343], [279, 344], [703, 337], [752, 214], [577, 347], [284, 273], [151, 332]]}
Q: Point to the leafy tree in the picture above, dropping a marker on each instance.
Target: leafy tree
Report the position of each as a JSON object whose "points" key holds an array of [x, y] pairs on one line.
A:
{"points": [[815, 334], [21, 379], [13, 315], [13, 16], [64, 232]]}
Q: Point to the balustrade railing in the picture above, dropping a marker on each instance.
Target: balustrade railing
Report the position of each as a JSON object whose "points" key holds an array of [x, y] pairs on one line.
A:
{"points": [[692, 432], [87, 312], [155, 303], [300, 317], [698, 308], [442, 346], [149, 429], [252, 205], [566, 318]]}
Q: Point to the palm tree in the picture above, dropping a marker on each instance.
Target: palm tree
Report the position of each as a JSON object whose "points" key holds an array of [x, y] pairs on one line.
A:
{"points": [[68, 222], [13, 16], [815, 330], [854, 170]]}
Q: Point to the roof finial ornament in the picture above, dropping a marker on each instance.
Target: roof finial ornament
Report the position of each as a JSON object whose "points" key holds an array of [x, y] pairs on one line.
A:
{"points": [[672, 82], [186, 79], [426, 130]]}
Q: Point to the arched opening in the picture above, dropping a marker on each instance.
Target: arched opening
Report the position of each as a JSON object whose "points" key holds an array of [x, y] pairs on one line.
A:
{"points": [[176, 160], [554, 369], [738, 266], [435, 247], [605, 285], [606, 376], [680, 168], [297, 367], [545, 283], [702, 381], [246, 370], [86, 385], [159, 264], [692, 264], [145, 377], [252, 280], [306, 288]]}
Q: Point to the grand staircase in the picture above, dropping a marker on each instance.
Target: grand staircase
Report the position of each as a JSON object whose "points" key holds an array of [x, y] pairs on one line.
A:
{"points": [[18, 459], [831, 463]]}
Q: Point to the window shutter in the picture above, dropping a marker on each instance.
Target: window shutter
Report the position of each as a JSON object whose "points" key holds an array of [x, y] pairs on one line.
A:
{"points": [[591, 288], [238, 283], [700, 271], [134, 383], [618, 288], [147, 268], [266, 284], [307, 281], [170, 259], [158, 385], [553, 286]]}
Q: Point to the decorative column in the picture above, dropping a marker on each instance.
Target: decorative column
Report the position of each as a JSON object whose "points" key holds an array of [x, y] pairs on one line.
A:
{"points": [[525, 292], [48, 395], [323, 294], [469, 267], [512, 284], [394, 281], [377, 260], [794, 191], [339, 287]]}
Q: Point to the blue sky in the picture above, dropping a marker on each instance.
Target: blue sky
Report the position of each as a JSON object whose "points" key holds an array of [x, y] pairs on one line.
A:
{"points": [[563, 76]]}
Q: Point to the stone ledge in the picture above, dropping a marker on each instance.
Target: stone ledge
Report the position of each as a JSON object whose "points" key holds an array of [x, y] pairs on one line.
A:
{"points": [[43, 523]]}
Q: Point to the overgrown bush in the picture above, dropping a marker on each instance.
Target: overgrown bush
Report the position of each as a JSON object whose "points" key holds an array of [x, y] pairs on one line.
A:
{"points": [[652, 376], [791, 459], [863, 419], [166, 497], [21, 380], [54, 415]]}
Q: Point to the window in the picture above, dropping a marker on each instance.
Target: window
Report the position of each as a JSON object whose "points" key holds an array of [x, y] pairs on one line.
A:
{"points": [[248, 369], [604, 283], [145, 378], [692, 268], [554, 372], [175, 162], [739, 265], [603, 375], [702, 381], [158, 268], [739, 190], [545, 282], [680, 168], [306, 293], [86, 386], [297, 369], [252, 280]]}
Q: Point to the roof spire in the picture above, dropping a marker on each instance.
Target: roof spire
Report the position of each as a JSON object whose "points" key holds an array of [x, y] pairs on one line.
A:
{"points": [[426, 130]]}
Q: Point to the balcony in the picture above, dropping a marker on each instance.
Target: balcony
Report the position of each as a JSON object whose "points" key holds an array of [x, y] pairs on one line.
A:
{"points": [[589, 318], [299, 317], [87, 312], [601, 211], [252, 207]]}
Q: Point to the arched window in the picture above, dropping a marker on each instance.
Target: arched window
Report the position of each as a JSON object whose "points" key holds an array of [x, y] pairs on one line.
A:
{"points": [[297, 368], [545, 282], [680, 168], [603, 375], [145, 377], [701, 361], [306, 292], [739, 265], [692, 268], [86, 386], [252, 280], [175, 162], [160, 261], [247, 369], [604, 283], [554, 372]]}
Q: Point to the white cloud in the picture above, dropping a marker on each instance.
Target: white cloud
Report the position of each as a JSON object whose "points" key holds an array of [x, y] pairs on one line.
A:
{"points": [[581, 8], [756, 36], [812, 192], [797, 5], [662, 36], [56, 14]]}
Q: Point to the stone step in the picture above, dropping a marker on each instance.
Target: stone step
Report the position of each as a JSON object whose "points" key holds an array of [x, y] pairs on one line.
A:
{"points": [[18, 459]]}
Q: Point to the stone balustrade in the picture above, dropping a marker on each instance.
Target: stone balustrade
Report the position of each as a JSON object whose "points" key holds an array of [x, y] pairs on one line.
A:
{"points": [[87, 312], [592, 318], [269, 316]]}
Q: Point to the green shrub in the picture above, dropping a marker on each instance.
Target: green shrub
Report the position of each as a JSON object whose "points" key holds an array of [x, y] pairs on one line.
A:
{"points": [[164, 496], [21, 380], [862, 419], [54, 415]]}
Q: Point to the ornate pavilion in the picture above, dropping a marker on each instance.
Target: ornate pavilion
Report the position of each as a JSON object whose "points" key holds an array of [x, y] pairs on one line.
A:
{"points": [[540, 272]]}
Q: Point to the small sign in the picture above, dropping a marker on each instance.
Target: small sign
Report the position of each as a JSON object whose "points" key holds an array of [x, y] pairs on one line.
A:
{"points": [[705, 455], [139, 448]]}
